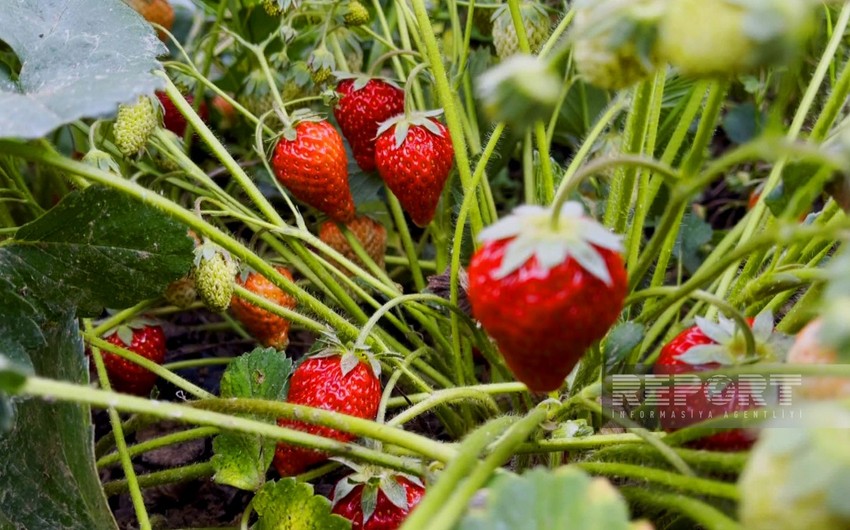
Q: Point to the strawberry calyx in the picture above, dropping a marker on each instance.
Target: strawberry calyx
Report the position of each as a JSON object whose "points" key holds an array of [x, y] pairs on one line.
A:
{"points": [[291, 122], [125, 329], [362, 79], [532, 235], [374, 479], [730, 346], [330, 345], [208, 250], [403, 123]]}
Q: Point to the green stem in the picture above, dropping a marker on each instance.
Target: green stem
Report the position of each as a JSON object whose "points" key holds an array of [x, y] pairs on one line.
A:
{"points": [[160, 478], [699, 486], [61, 391], [358, 426], [809, 98], [147, 364], [705, 515], [157, 443], [221, 152], [447, 100], [446, 518], [456, 471], [493, 388], [123, 454], [445, 396]]}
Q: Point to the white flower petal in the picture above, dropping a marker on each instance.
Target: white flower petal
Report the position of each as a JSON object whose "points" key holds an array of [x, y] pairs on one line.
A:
{"points": [[551, 254], [763, 325], [600, 236], [707, 353], [590, 260], [713, 330], [517, 252], [502, 229]]}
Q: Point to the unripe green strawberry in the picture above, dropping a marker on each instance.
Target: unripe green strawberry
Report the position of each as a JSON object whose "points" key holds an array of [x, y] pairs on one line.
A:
{"points": [[214, 276], [537, 28], [181, 293], [272, 7], [706, 38], [795, 478], [134, 125], [614, 41], [357, 14]]}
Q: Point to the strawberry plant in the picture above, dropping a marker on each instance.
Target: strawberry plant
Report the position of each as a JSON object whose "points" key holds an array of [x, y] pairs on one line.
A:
{"points": [[412, 264]]}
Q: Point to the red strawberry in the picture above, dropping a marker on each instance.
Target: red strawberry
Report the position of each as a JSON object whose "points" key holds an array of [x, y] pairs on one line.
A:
{"points": [[379, 501], [365, 104], [270, 329], [414, 156], [336, 379], [546, 294], [371, 234], [708, 346], [171, 117], [144, 338], [310, 161]]}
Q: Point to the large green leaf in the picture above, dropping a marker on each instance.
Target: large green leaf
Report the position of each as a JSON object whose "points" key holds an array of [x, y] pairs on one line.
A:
{"points": [[96, 248], [241, 460], [543, 500], [291, 505], [80, 58], [47, 473]]}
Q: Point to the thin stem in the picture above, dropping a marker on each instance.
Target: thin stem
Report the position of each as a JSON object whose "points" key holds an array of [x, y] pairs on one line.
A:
{"points": [[705, 515], [695, 485], [157, 443], [159, 478]]}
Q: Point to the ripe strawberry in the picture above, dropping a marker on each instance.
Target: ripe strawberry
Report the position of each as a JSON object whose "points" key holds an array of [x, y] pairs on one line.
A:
{"points": [[614, 41], [171, 117], [144, 338], [364, 104], [214, 272], [733, 36], [134, 125], [414, 156], [156, 12], [181, 293], [310, 161], [810, 348], [546, 294], [371, 234], [269, 329], [537, 28], [357, 14], [708, 346], [336, 379], [376, 500]]}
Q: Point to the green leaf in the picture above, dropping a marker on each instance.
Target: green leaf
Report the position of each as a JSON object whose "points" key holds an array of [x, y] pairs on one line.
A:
{"points": [[742, 123], [47, 473], [12, 375], [543, 500], [693, 234], [80, 58], [291, 505], [262, 374], [241, 460], [96, 248], [621, 341]]}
